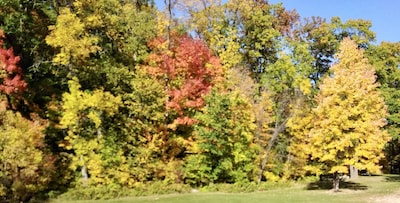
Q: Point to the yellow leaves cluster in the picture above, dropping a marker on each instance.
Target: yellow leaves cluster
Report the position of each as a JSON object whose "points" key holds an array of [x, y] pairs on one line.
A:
{"points": [[271, 176], [85, 30], [77, 106], [347, 129], [229, 54], [70, 36], [22, 160], [299, 126], [94, 13], [162, 23], [77, 101], [209, 19]]}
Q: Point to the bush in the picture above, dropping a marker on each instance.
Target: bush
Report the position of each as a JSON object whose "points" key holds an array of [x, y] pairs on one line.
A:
{"points": [[245, 187], [158, 188], [116, 191], [162, 187], [94, 192]]}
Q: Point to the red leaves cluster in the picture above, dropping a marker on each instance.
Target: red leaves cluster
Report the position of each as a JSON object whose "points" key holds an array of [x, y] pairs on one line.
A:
{"points": [[189, 68], [12, 80]]}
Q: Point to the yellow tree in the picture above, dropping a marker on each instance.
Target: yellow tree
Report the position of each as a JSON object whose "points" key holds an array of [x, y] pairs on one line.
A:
{"points": [[349, 116], [26, 169], [83, 115]]}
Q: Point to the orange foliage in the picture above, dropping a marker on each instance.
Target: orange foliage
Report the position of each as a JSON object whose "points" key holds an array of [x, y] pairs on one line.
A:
{"points": [[189, 69]]}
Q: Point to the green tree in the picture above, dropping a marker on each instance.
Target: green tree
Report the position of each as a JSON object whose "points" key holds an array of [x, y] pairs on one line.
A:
{"points": [[250, 28], [386, 58], [324, 37], [349, 117], [252, 34], [287, 83], [223, 149]]}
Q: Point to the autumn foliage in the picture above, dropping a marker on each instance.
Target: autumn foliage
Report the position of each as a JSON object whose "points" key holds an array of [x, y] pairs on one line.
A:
{"points": [[189, 70], [26, 168], [11, 73], [116, 98], [345, 127]]}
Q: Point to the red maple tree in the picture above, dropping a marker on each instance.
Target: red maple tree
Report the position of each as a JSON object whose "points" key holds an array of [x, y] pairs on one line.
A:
{"points": [[189, 69], [11, 76]]}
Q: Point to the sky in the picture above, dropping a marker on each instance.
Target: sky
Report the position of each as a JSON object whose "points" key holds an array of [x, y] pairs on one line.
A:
{"points": [[384, 14]]}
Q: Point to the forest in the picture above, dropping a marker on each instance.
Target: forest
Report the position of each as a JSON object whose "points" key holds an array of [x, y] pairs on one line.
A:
{"points": [[103, 97]]}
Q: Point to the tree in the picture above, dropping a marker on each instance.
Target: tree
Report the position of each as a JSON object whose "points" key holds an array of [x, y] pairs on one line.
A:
{"points": [[83, 116], [251, 29], [98, 38], [323, 38], [348, 118], [26, 168], [299, 126], [287, 83], [11, 73], [144, 133], [223, 149], [100, 45], [75, 45], [189, 70], [26, 25], [263, 26], [386, 58]]}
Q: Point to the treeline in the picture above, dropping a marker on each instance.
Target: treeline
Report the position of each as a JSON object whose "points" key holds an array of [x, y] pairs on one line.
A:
{"points": [[109, 95]]}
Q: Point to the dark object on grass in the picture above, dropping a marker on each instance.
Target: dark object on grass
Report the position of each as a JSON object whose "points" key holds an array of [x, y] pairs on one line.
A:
{"points": [[364, 173]]}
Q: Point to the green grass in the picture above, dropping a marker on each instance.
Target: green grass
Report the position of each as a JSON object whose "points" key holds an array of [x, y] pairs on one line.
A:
{"points": [[365, 189]]}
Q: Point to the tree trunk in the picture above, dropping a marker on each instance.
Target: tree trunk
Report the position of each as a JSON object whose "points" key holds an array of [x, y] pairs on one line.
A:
{"points": [[336, 181], [84, 172], [278, 129], [353, 172]]}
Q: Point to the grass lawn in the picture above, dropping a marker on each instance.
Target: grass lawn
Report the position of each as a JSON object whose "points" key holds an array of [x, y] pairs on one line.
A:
{"points": [[364, 189]]}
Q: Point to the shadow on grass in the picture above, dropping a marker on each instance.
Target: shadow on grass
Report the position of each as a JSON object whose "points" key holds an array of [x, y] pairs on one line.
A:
{"points": [[327, 185], [392, 178]]}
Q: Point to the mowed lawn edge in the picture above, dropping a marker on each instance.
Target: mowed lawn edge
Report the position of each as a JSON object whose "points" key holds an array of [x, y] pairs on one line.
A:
{"points": [[372, 189]]}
